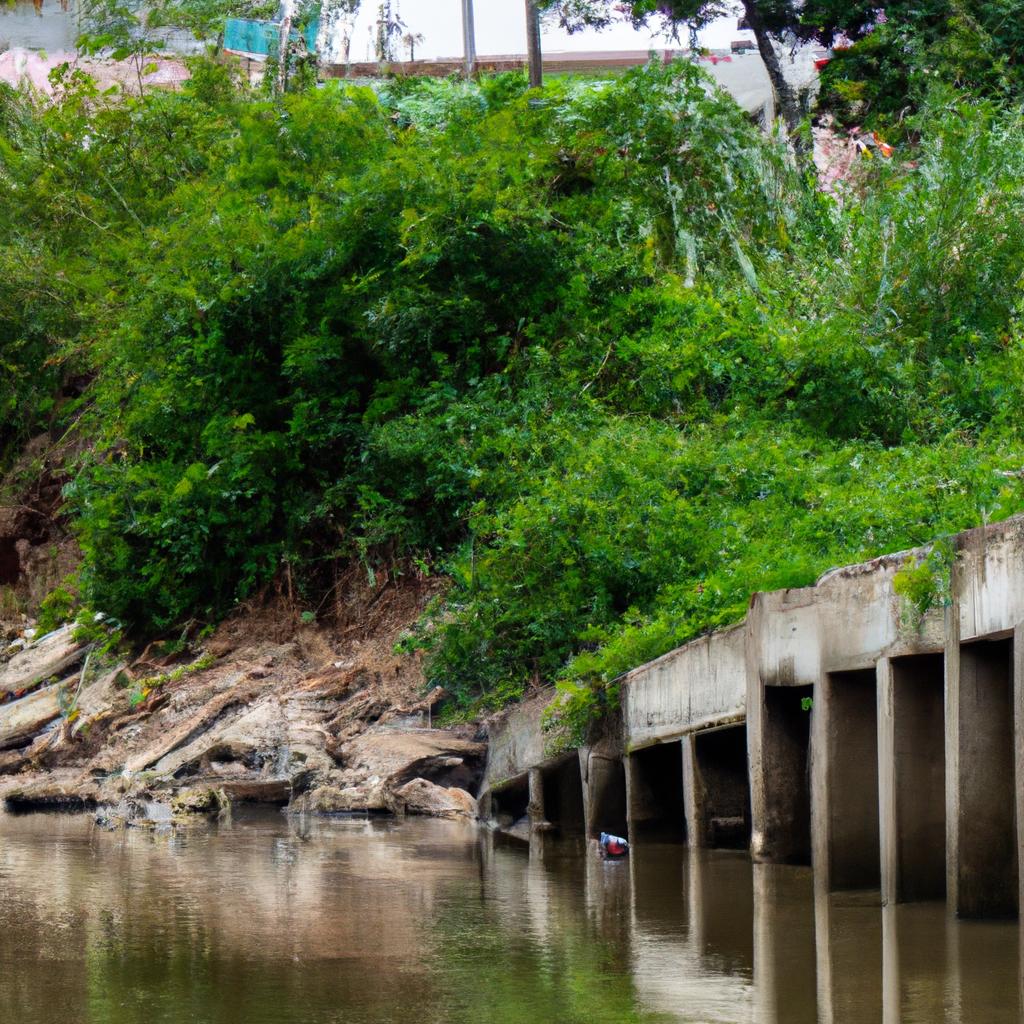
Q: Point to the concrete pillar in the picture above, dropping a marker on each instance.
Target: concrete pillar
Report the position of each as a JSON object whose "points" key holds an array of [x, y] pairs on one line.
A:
{"points": [[911, 775], [583, 753], [535, 808], [982, 870], [760, 832], [844, 781], [634, 795], [887, 838], [693, 796]]}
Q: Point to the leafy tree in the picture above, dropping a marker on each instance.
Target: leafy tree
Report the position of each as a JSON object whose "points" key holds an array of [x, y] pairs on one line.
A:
{"points": [[768, 19], [975, 45], [971, 46]]}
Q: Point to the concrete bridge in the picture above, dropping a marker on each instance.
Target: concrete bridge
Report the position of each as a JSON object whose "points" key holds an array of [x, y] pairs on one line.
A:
{"points": [[837, 726]]}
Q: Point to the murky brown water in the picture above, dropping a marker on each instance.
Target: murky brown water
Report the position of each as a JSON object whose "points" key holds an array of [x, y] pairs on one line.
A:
{"points": [[365, 922]]}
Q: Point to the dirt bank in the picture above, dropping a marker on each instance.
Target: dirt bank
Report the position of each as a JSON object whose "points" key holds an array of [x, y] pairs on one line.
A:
{"points": [[267, 709]]}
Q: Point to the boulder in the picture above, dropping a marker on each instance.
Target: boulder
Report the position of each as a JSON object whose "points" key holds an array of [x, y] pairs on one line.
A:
{"points": [[422, 797], [400, 755], [208, 802], [369, 798]]}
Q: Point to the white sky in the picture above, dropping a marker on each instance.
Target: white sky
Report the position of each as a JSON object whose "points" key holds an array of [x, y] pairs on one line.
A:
{"points": [[501, 28]]}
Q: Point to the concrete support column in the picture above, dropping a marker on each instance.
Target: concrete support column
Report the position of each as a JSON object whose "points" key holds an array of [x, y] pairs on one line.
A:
{"points": [[759, 831], [980, 811], [535, 808], [821, 796], [634, 796], [887, 834], [693, 794], [583, 753], [952, 746]]}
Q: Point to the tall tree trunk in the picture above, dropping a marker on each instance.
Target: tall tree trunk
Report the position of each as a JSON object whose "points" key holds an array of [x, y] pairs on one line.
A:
{"points": [[785, 95], [533, 44], [283, 46], [468, 37]]}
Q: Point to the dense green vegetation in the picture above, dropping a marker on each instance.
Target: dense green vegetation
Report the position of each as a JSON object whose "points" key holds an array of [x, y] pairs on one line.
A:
{"points": [[899, 52], [600, 354], [972, 45]]}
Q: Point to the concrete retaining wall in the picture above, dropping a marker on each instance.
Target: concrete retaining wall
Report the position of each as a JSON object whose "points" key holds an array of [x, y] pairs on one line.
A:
{"points": [[699, 685]]}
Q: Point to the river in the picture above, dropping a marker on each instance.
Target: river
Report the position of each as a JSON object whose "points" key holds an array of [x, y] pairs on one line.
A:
{"points": [[266, 919]]}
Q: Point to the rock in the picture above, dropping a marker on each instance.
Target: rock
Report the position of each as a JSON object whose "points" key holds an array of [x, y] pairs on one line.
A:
{"points": [[333, 800], [258, 791], [422, 797], [187, 730], [58, 791], [402, 755], [50, 656], [22, 719], [241, 738], [209, 802]]}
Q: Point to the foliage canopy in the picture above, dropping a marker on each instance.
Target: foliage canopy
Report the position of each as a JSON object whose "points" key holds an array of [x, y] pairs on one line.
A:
{"points": [[599, 354]]}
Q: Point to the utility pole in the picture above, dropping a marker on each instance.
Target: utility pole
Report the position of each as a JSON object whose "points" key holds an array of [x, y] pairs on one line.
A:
{"points": [[468, 37], [533, 44]]}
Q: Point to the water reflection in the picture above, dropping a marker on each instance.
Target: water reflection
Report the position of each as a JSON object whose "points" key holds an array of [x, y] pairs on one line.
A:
{"points": [[266, 920]]}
